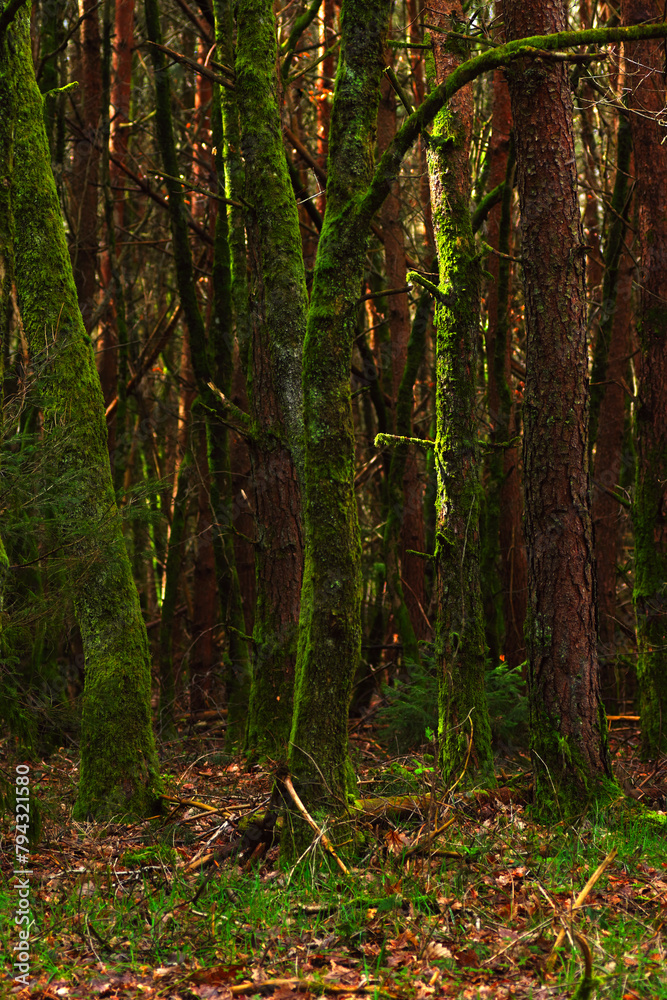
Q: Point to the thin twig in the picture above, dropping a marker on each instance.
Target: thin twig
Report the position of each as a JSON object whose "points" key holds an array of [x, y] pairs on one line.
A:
{"points": [[312, 824]]}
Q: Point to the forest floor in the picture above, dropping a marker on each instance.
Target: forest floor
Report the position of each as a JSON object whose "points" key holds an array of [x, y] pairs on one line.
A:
{"points": [[124, 911]]}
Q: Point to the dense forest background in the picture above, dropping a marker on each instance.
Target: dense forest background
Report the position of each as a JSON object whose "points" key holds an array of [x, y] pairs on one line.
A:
{"points": [[383, 379]]}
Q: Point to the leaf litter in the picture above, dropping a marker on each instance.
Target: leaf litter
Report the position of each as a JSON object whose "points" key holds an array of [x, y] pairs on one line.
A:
{"points": [[465, 898]]}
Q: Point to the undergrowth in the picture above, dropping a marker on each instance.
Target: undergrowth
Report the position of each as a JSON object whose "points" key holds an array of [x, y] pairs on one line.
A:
{"points": [[471, 912]]}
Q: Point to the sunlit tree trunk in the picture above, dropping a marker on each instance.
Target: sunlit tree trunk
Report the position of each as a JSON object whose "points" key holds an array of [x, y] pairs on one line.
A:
{"points": [[330, 623], [645, 77], [568, 729], [463, 714], [119, 767]]}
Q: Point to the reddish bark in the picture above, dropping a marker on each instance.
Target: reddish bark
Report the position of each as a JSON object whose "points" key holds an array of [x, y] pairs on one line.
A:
{"points": [[513, 565], [645, 77], [326, 84], [412, 534], [121, 86], [608, 458], [567, 726], [205, 591], [85, 171]]}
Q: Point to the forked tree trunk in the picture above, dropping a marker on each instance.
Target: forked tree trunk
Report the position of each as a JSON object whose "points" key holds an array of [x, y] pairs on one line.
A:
{"points": [[568, 729]]}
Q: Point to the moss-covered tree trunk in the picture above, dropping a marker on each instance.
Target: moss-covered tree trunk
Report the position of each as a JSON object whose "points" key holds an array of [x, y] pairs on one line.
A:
{"points": [[568, 729], [279, 304], [7, 124], [119, 767], [647, 99], [460, 628], [330, 623]]}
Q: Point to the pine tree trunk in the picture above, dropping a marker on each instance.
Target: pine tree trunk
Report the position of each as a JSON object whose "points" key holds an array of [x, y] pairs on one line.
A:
{"points": [[568, 728], [647, 97], [119, 767]]}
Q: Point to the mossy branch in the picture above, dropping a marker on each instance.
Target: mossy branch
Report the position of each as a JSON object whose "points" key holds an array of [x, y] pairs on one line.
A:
{"points": [[489, 201], [417, 279], [231, 414], [390, 440], [388, 168], [300, 26]]}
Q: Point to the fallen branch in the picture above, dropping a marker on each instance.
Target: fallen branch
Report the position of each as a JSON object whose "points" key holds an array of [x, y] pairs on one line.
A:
{"points": [[578, 903], [313, 825]]}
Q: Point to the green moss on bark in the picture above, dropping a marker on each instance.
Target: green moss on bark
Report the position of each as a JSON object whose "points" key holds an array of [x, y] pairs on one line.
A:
{"points": [[119, 767], [330, 622], [279, 305], [460, 644]]}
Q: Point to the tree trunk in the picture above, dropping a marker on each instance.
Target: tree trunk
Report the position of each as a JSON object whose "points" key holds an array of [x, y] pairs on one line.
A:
{"points": [[119, 767], [86, 164], [330, 623], [568, 729], [504, 502], [647, 98], [278, 320], [463, 714]]}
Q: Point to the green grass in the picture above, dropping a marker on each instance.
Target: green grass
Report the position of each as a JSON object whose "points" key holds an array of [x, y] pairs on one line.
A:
{"points": [[115, 901]]}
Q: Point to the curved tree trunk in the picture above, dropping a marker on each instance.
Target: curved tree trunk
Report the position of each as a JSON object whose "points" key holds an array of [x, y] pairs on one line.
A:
{"points": [[568, 729], [119, 767]]}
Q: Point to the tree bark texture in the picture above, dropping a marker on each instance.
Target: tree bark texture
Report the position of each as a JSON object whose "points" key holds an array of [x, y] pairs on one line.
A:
{"points": [[463, 715], [568, 729], [645, 78], [504, 502], [278, 321], [330, 622], [119, 767], [85, 172]]}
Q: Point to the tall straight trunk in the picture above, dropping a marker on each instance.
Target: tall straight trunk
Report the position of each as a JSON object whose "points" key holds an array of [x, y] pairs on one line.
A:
{"points": [[330, 623], [204, 589], [85, 174], [568, 729], [608, 397], [463, 714], [407, 605], [200, 346], [119, 767], [171, 579], [112, 346], [7, 113], [504, 502], [609, 461], [325, 82], [647, 99], [278, 318]]}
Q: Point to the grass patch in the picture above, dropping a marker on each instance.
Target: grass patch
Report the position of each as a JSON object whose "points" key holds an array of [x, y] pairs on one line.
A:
{"points": [[472, 912]]}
